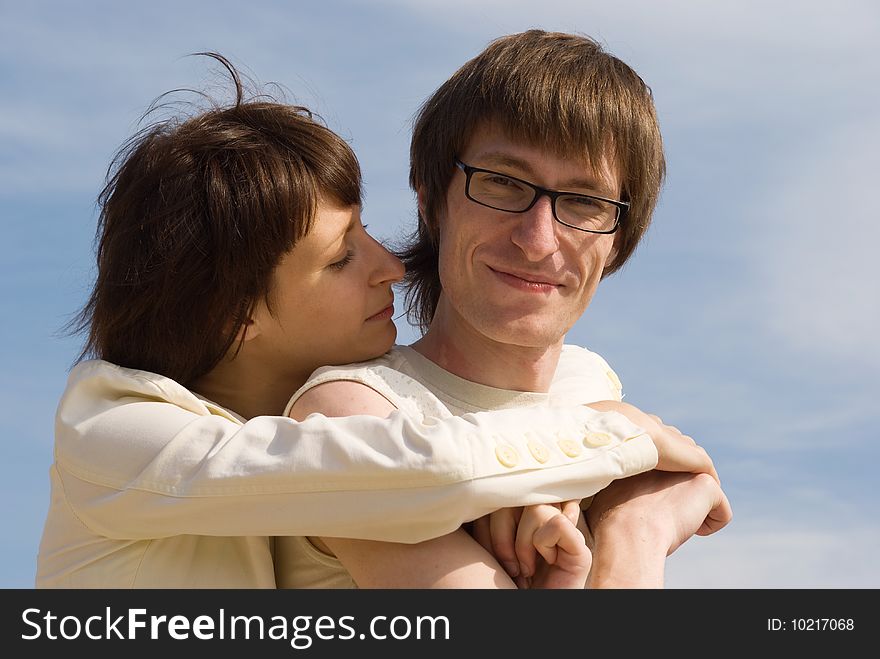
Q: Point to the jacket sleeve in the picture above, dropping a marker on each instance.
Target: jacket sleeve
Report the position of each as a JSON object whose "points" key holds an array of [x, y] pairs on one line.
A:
{"points": [[133, 464]]}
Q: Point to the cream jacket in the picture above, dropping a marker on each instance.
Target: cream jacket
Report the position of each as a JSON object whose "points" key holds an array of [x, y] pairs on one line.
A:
{"points": [[154, 486]]}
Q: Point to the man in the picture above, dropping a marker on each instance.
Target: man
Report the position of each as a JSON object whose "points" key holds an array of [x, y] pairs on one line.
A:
{"points": [[537, 167]]}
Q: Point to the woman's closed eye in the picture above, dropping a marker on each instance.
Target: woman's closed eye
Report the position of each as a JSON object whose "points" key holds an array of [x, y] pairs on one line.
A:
{"points": [[344, 261]]}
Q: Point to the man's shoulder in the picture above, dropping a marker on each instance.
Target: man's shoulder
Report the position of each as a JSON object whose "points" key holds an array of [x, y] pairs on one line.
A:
{"points": [[391, 361], [577, 359], [584, 376], [389, 375]]}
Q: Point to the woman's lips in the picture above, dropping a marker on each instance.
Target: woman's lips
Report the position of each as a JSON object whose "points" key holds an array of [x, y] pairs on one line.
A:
{"points": [[385, 314]]}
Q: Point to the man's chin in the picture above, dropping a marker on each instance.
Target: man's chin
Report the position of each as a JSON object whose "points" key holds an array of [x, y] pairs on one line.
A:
{"points": [[523, 331]]}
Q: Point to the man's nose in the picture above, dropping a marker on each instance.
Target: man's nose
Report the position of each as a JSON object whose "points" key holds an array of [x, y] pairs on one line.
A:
{"points": [[535, 233]]}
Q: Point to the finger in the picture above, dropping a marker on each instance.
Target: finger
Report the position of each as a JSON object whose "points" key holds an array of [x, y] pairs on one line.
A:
{"points": [[702, 462], [480, 532], [560, 542], [706, 461], [572, 510], [712, 472], [679, 455], [503, 530], [718, 517], [532, 519], [523, 583], [548, 536]]}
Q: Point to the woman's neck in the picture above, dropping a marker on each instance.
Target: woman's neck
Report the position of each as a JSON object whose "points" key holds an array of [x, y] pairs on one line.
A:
{"points": [[247, 388]]}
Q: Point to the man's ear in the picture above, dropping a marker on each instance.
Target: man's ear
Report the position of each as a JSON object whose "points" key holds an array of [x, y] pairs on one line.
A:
{"points": [[612, 253], [615, 247]]}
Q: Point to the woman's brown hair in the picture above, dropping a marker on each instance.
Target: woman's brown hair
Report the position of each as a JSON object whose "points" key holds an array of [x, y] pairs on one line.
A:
{"points": [[558, 91], [195, 216]]}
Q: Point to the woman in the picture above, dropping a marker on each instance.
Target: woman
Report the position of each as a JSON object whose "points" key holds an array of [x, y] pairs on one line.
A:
{"points": [[231, 264]]}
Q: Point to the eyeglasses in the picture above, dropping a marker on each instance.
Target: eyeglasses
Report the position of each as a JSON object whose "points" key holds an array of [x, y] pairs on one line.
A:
{"points": [[507, 193]]}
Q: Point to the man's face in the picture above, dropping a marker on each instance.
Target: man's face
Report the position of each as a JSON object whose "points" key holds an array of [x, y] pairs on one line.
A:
{"points": [[520, 278]]}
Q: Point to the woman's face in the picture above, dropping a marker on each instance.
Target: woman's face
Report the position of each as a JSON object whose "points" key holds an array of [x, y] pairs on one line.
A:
{"points": [[331, 300]]}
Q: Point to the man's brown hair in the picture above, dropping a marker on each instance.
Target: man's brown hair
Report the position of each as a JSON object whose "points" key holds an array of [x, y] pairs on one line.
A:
{"points": [[558, 91], [195, 216]]}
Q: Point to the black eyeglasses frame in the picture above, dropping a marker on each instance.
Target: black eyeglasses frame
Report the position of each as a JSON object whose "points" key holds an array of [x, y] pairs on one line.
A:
{"points": [[553, 195]]}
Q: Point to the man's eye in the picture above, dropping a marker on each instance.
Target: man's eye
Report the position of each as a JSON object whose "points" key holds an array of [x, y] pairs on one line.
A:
{"points": [[586, 202], [502, 181]]}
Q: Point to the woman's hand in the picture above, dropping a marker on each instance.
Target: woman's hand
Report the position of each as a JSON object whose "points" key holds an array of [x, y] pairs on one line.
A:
{"points": [[549, 550], [676, 451]]}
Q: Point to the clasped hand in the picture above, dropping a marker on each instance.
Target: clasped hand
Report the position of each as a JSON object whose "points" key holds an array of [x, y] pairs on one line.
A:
{"points": [[650, 515]]}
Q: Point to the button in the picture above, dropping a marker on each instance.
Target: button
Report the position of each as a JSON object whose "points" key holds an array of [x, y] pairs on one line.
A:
{"points": [[507, 455], [538, 450], [597, 439], [570, 447]]}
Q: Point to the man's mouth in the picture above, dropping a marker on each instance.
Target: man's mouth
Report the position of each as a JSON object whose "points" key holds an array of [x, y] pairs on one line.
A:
{"points": [[535, 282]]}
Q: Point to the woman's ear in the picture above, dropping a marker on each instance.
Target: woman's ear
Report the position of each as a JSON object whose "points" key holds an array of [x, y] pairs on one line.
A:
{"points": [[249, 329], [253, 325]]}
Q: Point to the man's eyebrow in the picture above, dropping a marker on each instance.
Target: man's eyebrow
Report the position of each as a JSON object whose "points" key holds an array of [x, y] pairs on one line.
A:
{"points": [[495, 158], [500, 158]]}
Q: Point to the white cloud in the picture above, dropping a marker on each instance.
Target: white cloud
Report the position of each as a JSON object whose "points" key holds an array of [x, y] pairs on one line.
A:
{"points": [[816, 255], [748, 23], [754, 554], [802, 536]]}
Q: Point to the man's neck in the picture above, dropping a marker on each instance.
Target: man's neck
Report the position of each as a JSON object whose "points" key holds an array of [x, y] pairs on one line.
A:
{"points": [[457, 347]]}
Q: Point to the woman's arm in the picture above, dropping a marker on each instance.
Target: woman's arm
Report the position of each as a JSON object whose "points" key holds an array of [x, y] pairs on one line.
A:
{"points": [[454, 560], [140, 456]]}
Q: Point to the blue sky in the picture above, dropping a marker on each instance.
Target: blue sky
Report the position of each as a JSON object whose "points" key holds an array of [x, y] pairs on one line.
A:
{"points": [[749, 317]]}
